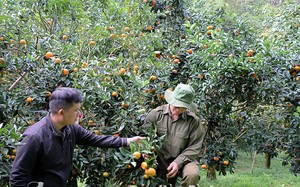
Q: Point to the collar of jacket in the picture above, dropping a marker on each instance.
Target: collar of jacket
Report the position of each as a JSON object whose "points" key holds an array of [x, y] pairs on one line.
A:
{"points": [[166, 110], [65, 130]]}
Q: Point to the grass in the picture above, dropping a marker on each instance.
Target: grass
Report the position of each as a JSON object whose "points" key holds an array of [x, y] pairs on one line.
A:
{"points": [[276, 176]]}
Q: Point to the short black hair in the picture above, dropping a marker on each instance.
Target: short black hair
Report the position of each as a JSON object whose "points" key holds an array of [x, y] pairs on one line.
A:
{"points": [[64, 98]]}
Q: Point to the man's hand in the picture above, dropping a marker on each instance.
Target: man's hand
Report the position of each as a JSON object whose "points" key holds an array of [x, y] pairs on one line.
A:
{"points": [[135, 139], [173, 170]]}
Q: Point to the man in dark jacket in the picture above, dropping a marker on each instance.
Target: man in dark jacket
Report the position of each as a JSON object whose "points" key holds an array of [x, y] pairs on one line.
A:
{"points": [[45, 153]]}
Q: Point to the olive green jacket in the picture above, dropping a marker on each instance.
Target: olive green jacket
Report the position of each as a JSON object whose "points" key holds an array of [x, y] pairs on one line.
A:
{"points": [[184, 136]]}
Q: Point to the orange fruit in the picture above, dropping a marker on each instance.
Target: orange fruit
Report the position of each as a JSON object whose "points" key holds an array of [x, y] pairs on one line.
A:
{"points": [[98, 132], [201, 76], [176, 61], [1, 38], [137, 155], [189, 51], [14, 151], [13, 157], [57, 61], [92, 42], [65, 37], [105, 174], [204, 46], [216, 158], [129, 166], [65, 72], [2, 61], [146, 176], [31, 122], [152, 78], [157, 54], [297, 68], [144, 165], [200, 34], [136, 68], [124, 105], [154, 3], [84, 65], [48, 55], [127, 29], [149, 28], [22, 42], [151, 91], [251, 51], [114, 94], [11, 41], [75, 69], [204, 166], [124, 35], [210, 27], [112, 35], [226, 162], [150, 172], [116, 135], [7, 156], [91, 122], [47, 93], [209, 32], [29, 99], [123, 71]]}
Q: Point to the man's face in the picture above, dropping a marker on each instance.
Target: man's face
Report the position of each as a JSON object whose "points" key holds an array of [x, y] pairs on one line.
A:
{"points": [[71, 115], [177, 110]]}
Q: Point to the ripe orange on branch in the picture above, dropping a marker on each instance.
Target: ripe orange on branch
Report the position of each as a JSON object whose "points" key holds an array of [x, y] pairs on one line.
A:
{"points": [[92, 42], [65, 72], [22, 42], [150, 172], [137, 155], [29, 99], [152, 78], [65, 37], [189, 51], [123, 71], [105, 174], [48, 55], [144, 165], [176, 61], [210, 27], [114, 94], [204, 166]]}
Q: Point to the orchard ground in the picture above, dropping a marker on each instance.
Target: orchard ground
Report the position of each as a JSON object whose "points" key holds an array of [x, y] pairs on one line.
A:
{"points": [[276, 176]]}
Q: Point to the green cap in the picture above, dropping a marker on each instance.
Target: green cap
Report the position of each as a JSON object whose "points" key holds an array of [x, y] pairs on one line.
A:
{"points": [[182, 96]]}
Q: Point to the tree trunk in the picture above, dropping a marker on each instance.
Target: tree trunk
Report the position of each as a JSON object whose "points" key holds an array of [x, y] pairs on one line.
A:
{"points": [[211, 173], [267, 160], [253, 161]]}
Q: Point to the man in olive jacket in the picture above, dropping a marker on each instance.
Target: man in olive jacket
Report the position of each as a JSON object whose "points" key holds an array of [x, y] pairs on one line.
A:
{"points": [[184, 136]]}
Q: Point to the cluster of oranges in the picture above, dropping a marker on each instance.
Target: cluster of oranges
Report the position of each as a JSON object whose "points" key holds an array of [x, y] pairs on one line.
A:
{"points": [[216, 159], [149, 171], [295, 70], [12, 156]]}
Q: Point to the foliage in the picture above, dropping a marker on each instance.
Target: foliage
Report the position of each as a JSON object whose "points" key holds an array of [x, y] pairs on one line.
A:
{"points": [[245, 74]]}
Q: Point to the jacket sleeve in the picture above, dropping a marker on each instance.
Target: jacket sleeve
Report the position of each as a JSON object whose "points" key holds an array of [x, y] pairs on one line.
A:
{"points": [[85, 137], [192, 152], [27, 154]]}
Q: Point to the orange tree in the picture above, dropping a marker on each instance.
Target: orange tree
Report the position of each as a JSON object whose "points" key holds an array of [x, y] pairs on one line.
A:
{"points": [[123, 59]]}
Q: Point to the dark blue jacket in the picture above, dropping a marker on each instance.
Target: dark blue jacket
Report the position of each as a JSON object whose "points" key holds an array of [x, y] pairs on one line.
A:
{"points": [[46, 155]]}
